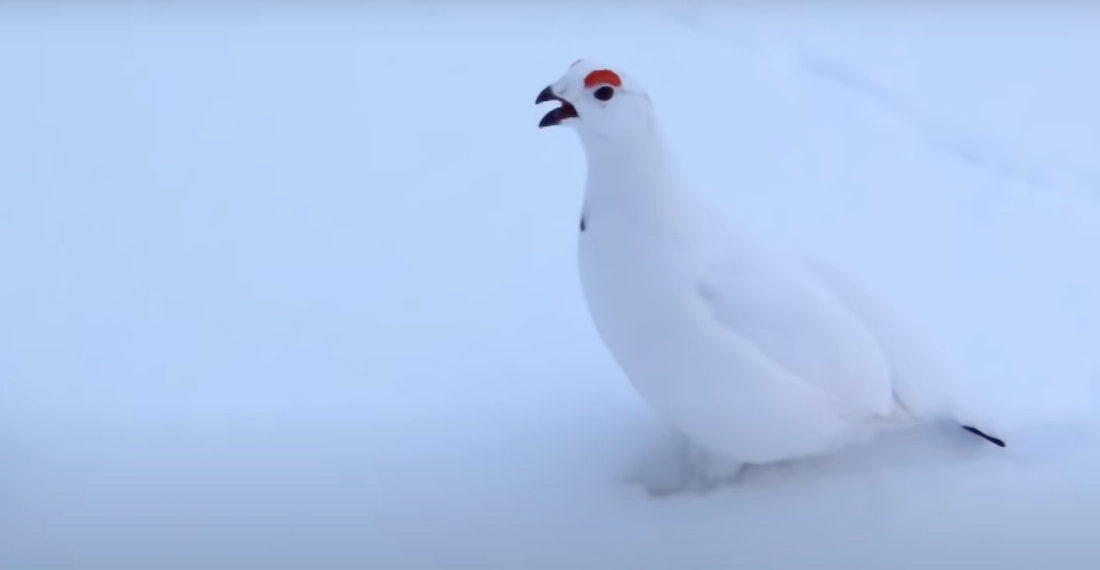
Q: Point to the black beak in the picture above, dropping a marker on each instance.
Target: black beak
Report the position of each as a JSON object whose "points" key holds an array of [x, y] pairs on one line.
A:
{"points": [[545, 95], [555, 116]]}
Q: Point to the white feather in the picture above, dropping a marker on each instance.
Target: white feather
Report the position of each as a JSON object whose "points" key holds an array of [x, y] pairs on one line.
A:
{"points": [[753, 355]]}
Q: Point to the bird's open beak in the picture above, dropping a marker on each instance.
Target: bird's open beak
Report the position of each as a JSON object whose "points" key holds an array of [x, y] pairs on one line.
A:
{"points": [[555, 116]]}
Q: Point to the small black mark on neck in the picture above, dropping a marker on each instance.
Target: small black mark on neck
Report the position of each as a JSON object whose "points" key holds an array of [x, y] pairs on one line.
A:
{"points": [[584, 224]]}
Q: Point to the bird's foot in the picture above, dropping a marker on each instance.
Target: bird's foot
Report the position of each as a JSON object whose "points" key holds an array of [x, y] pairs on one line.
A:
{"points": [[687, 468]]}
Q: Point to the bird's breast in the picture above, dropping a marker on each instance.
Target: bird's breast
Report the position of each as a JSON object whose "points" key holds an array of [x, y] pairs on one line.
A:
{"points": [[637, 284]]}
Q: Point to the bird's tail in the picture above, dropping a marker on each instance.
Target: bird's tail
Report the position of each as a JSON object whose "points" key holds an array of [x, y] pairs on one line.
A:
{"points": [[994, 440]]}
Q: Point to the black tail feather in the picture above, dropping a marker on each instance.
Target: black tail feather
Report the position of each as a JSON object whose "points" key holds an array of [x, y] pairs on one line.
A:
{"points": [[995, 441]]}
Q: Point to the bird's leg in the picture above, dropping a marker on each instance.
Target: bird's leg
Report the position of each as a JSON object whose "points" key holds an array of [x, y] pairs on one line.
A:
{"points": [[709, 471], [684, 467], [664, 470]]}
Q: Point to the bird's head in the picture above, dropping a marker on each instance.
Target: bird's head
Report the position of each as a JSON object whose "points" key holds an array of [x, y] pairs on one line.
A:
{"points": [[599, 102]]}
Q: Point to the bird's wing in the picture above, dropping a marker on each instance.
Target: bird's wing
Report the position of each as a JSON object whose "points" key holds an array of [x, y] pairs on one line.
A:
{"points": [[921, 380], [802, 326]]}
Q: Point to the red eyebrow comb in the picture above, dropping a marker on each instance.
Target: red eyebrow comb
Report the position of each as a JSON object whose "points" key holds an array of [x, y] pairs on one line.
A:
{"points": [[602, 76]]}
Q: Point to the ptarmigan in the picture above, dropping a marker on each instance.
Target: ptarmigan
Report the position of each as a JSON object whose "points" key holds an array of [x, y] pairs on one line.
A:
{"points": [[754, 357]]}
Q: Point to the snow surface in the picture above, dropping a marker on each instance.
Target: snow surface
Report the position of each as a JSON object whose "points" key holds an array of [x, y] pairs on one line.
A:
{"points": [[296, 288]]}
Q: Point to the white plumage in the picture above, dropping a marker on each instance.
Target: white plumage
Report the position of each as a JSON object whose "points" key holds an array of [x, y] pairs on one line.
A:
{"points": [[753, 356]]}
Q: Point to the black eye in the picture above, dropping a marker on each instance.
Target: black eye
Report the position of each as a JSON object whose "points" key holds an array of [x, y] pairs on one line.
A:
{"points": [[604, 93]]}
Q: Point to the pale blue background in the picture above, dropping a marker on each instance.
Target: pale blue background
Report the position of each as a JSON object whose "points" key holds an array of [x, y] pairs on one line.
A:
{"points": [[289, 287]]}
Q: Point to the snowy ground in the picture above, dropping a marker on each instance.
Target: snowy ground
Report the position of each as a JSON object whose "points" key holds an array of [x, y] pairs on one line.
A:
{"points": [[290, 289]]}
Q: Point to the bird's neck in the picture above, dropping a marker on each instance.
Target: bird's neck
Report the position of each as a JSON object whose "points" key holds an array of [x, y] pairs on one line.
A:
{"points": [[637, 174]]}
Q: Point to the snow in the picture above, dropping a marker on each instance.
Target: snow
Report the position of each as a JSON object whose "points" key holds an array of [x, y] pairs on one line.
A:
{"points": [[290, 287]]}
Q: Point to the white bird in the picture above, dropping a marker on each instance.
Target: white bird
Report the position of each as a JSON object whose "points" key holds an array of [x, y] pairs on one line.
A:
{"points": [[753, 356]]}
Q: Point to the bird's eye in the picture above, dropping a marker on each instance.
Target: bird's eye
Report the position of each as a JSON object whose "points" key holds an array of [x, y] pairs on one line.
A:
{"points": [[604, 93]]}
